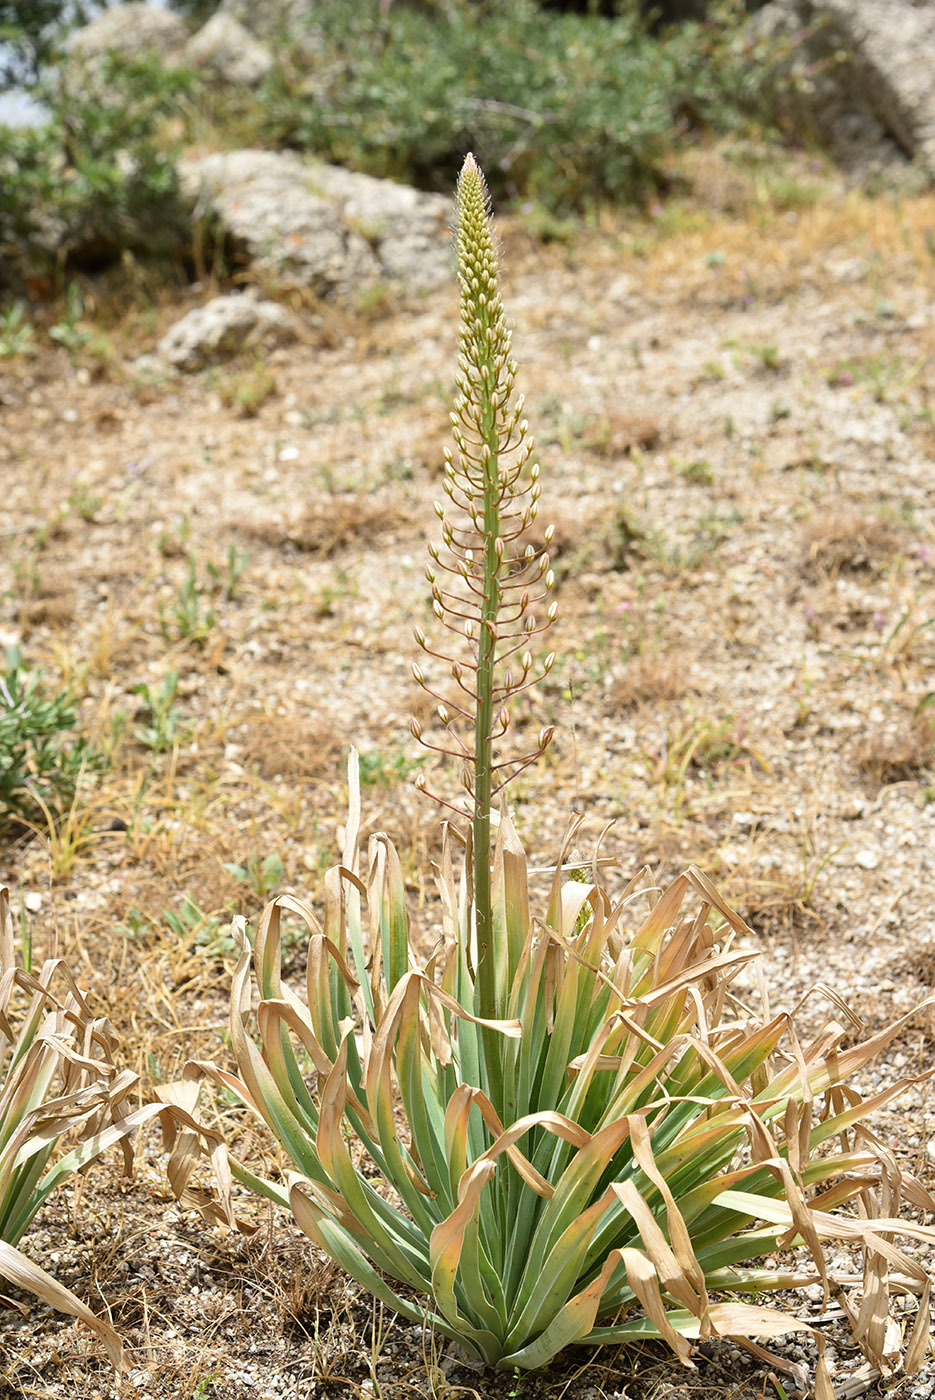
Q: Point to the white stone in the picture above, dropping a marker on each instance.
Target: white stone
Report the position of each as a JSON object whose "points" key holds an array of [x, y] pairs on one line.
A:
{"points": [[225, 49], [224, 327]]}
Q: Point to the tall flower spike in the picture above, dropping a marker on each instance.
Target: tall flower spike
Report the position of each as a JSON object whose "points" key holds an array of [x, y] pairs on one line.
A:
{"points": [[487, 578]]}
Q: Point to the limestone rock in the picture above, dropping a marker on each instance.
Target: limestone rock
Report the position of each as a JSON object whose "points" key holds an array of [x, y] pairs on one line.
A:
{"points": [[273, 19], [131, 30], [323, 228], [408, 228], [229, 52], [223, 327], [893, 47], [878, 104]]}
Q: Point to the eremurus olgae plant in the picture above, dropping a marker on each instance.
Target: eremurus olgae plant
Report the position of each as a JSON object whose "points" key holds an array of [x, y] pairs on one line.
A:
{"points": [[580, 1131]]}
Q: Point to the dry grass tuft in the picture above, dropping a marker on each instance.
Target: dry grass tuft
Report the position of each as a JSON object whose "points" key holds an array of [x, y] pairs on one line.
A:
{"points": [[850, 543], [619, 434], [291, 746], [905, 754], [648, 680], [330, 524]]}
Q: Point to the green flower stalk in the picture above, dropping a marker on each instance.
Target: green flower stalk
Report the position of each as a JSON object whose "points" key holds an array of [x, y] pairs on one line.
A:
{"points": [[486, 579]]}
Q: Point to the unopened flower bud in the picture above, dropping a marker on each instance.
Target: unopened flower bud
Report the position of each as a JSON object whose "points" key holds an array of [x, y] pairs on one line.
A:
{"points": [[527, 661], [545, 736], [443, 714], [418, 675], [504, 718], [419, 636], [548, 663], [415, 728], [439, 509], [549, 535], [552, 613], [420, 781]]}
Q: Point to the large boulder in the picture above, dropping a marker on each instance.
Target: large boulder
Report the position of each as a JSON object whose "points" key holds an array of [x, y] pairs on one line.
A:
{"points": [[872, 96], [314, 225], [227, 51], [224, 327], [273, 19], [892, 48], [131, 31]]}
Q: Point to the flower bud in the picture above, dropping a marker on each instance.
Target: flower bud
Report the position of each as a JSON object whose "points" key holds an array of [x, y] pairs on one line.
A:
{"points": [[552, 613], [418, 675], [545, 736], [420, 782], [419, 636], [443, 714], [415, 728]]}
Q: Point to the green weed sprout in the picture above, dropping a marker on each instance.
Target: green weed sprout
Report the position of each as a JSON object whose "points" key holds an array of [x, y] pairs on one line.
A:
{"points": [[568, 1126]]}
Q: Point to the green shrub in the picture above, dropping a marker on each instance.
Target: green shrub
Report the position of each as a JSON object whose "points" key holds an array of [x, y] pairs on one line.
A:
{"points": [[40, 763], [99, 178], [566, 1125], [564, 109]]}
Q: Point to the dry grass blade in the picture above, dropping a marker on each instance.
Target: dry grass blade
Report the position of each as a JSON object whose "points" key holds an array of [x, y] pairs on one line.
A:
{"points": [[62, 1104], [17, 1269]]}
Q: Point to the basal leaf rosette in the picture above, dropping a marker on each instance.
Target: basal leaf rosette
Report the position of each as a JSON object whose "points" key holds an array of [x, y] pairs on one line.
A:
{"points": [[658, 1138]]}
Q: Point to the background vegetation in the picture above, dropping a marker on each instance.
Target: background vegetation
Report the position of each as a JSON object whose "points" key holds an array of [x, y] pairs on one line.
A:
{"points": [[570, 111]]}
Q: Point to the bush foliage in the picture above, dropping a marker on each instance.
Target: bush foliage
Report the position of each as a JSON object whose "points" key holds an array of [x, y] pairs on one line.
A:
{"points": [[40, 763], [565, 109], [100, 177]]}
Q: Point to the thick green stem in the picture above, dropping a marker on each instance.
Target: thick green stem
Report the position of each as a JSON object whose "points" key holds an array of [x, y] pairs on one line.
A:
{"points": [[483, 726], [481, 581]]}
